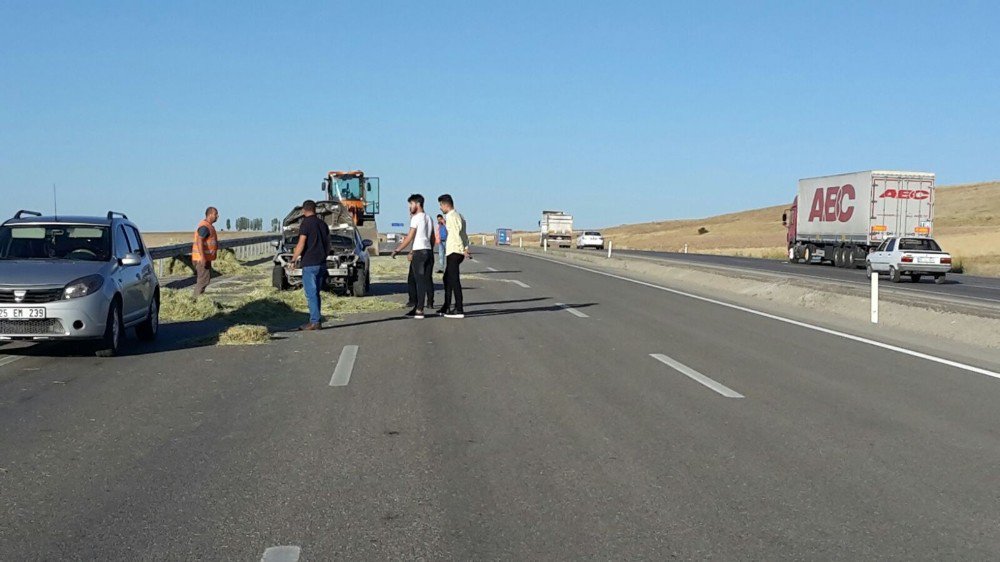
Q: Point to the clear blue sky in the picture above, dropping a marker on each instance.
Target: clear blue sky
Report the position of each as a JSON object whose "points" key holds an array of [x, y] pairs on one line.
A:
{"points": [[617, 112]]}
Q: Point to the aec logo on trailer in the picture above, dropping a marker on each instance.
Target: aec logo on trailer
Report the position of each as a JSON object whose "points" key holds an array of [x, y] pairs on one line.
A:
{"points": [[905, 194], [833, 204]]}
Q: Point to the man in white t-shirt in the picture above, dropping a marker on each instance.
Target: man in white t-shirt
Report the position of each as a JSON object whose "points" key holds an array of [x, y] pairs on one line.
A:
{"points": [[422, 256]]}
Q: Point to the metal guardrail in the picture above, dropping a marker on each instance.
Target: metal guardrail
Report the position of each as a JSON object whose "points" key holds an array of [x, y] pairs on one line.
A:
{"points": [[245, 248], [176, 250]]}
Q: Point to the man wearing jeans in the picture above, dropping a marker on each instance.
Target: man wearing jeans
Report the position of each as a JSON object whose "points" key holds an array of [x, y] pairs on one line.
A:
{"points": [[422, 256], [457, 248], [311, 253]]}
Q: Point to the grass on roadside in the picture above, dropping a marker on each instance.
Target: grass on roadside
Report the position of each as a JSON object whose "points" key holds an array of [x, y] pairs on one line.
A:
{"points": [[245, 334]]}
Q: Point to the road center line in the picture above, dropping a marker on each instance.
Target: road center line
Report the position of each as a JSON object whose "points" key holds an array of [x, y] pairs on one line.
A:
{"points": [[492, 269], [518, 283], [572, 310], [8, 359], [695, 375], [281, 554], [828, 331], [345, 365]]}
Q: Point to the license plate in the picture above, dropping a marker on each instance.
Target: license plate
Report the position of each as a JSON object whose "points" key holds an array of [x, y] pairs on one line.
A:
{"points": [[925, 260], [22, 313]]}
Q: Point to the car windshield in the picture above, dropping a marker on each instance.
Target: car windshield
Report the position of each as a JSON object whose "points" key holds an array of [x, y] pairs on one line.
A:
{"points": [[919, 245], [55, 242], [593, 234]]}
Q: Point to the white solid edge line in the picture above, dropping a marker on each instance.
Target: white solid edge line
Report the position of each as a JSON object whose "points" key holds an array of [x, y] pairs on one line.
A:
{"points": [[345, 365], [492, 269], [859, 339], [281, 554], [521, 284], [8, 359], [572, 310], [695, 375]]}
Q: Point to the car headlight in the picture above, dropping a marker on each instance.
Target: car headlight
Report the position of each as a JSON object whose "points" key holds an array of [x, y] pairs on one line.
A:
{"points": [[83, 286]]}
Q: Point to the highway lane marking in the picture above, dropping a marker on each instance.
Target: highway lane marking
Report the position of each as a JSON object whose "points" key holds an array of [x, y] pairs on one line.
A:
{"points": [[695, 375], [345, 366], [518, 283], [572, 310], [492, 269], [8, 359], [281, 554], [828, 331]]}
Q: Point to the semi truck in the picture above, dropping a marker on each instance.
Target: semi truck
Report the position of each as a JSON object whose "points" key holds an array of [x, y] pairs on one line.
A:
{"points": [[840, 219], [557, 229]]}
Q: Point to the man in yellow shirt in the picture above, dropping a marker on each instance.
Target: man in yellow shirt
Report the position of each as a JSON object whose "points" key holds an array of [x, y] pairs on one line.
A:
{"points": [[456, 250]]}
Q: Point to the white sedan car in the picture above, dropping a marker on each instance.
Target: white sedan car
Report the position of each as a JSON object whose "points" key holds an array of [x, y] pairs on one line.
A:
{"points": [[590, 239], [910, 256]]}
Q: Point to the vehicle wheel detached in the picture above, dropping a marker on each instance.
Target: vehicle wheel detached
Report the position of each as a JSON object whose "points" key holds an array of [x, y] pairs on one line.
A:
{"points": [[113, 333], [894, 275], [151, 326]]}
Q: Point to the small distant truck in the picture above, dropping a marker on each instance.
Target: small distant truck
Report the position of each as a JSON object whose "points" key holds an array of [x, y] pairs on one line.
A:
{"points": [[557, 229], [503, 237], [841, 219]]}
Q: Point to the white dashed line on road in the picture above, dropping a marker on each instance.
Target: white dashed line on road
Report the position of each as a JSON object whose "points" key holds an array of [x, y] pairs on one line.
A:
{"points": [[281, 554], [492, 269], [572, 310], [695, 375], [521, 284], [8, 359], [345, 365]]}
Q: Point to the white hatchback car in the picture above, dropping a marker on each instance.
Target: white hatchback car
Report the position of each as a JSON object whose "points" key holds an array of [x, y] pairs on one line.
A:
{"points": [[590, 239]]}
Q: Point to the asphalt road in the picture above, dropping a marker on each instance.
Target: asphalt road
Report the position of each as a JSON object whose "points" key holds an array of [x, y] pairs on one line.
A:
{"points": [[541, 427], [957, 286]]}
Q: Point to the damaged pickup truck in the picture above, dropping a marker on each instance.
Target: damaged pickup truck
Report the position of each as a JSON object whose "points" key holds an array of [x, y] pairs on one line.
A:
{"points": [[348, 265]]}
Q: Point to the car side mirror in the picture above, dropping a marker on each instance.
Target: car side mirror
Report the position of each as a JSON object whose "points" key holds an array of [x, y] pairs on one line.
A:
{"points": [[784, 219], [131, 259], [367, 243]]}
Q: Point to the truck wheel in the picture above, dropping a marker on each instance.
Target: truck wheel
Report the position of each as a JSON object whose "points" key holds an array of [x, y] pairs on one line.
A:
{"points": [[278, 278], [838, 257], [111, 343], [894, 275], [939, 279], [807, 254], [358, 286], [915, 278]]}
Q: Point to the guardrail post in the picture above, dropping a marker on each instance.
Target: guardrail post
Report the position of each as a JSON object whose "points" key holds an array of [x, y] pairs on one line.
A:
{"points": [[874, 297]]}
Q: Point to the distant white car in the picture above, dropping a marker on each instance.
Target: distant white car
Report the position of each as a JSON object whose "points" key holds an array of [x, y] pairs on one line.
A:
{"points": [[910, 256], [590, 239]]}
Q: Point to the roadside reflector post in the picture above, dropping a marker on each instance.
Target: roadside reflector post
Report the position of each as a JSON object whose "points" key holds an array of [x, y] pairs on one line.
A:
{"points": [[611, 244], [545, 244], [874, 297], [685, 248], [520, 242]]}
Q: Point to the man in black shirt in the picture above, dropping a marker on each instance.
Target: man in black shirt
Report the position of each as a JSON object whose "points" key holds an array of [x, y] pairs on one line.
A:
{"points": [[310, 253]]}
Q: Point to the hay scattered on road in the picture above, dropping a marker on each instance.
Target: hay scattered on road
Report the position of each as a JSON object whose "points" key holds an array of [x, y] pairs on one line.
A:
{"points": [[385, 268], [245, 334], [225, 264], [181, 306]]}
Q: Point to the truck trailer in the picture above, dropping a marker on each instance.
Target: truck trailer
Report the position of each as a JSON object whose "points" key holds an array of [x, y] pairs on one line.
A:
{"points": [[556, 229], [840, 219]]}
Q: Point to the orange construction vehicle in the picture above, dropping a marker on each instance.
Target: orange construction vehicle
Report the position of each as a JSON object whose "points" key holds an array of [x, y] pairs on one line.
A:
{"points": [[360, 196], [357, 192]]}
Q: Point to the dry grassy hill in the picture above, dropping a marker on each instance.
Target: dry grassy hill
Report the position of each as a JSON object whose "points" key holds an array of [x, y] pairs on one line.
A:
{"points": [[967, 223]]}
